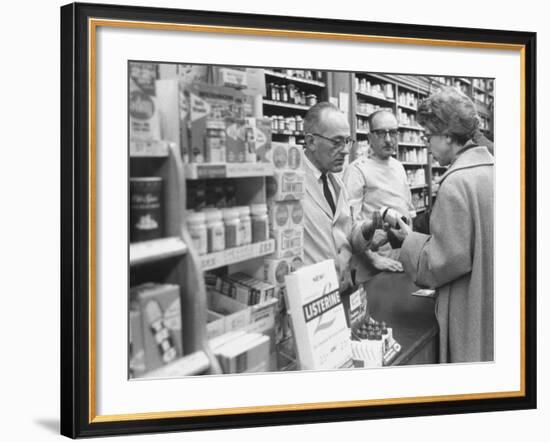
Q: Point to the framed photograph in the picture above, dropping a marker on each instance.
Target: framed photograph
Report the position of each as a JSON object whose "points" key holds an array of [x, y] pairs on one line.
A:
{"points": [[273, 220]]}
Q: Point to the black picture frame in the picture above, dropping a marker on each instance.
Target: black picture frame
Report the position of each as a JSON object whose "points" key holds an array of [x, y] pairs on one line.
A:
{"points": [[77, 416]]}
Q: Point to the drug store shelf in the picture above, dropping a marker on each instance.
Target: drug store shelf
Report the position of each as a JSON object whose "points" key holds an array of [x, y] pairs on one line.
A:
{"points": [[284, 105], [417, 186], [197, 171], [155, 250], [413, 164], [149, 148], [406, 144], [379, 98], [293, 79], [189, 365], [404, 126], [237, 254], [404, 106]]}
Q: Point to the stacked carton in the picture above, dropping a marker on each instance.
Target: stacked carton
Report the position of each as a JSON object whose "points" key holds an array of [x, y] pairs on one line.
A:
{"points": [[285, 191]]}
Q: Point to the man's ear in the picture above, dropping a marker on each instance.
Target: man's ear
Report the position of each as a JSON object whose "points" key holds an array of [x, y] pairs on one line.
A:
{"points": [[309, 141]]}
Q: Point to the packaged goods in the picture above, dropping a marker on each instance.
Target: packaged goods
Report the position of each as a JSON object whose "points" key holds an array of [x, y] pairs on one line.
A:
{"points": [[215, 232], [287, 214], [245, 225], [137, 349], [159, 307], [145, 75], [289, 242], [196, 223], [144, 116], [232, 227], [317, 317], [259, 221], [246, 353], [236, 315], [146, 208], [285, 185], [285, 156], [248, 140], [215, 325]]}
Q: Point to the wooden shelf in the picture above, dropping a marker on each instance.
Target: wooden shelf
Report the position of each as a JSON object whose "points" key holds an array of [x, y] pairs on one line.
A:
{"points": [[294, 79], [196, 171], [362, 114], [418, 186], [237, 254], [149, 149], [404, 106], [412, 164], [375, 76], [420, 209], [438, 167], [406, 144], [464, 80], [375, 97], [284, 105], [188, 365], [404, 126], [361, 132], [155, 250]]}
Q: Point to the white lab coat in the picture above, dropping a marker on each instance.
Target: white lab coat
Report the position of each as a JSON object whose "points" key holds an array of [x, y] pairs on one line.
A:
{"points": [[328, 236]]}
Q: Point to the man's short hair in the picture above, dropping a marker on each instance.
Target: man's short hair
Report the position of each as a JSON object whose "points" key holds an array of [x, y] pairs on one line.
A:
{"points": [[313, 115], [371, 116]]}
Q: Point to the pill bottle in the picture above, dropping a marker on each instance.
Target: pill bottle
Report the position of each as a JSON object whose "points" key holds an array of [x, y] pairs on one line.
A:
{"points": [[196, 223], [215, 230], [245, 225], [232, 227], [260, 225]]}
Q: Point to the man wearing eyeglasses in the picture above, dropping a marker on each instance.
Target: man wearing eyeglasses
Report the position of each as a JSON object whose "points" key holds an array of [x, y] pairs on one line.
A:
{"points": [[331, 232], [380, 181]]}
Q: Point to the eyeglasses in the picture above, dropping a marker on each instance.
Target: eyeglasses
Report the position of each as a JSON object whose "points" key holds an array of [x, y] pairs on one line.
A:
{"points": [[381, 133], [338, 143]]}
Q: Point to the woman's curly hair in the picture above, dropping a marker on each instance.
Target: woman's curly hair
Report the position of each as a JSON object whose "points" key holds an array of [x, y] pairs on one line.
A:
{"points": [[448, 111]]}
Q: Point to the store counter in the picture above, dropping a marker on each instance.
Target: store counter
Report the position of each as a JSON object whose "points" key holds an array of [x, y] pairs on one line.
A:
{"points": [[412, 318]]}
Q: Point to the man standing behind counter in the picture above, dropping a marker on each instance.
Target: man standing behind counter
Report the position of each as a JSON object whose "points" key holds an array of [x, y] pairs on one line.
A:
{"points": [[380, 181], [330, 229]]}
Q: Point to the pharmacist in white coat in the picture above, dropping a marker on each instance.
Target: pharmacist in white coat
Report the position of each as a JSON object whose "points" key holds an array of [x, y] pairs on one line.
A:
{"points": [[330, 229]]}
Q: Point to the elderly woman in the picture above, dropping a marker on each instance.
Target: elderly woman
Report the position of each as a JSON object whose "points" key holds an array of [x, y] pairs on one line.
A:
{"points": [[457, 257]]}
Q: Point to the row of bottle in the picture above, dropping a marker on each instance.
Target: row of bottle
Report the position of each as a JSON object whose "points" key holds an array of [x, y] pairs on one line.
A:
{"points": [[406, 118], [408, 99], [410, 136], [367, 108], [416, 177], [302, 74], [214, 230], [420, 199], [289, 93], [485, 84], [292, 124], [382, 90], [414, 155]]}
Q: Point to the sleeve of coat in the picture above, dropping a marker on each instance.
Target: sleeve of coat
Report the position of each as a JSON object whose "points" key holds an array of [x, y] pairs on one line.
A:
{"points": [[355, 186], [445, 255]]}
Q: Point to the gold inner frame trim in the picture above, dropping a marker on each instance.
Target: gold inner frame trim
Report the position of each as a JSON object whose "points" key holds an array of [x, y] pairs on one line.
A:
{"points": [[93, 24]]}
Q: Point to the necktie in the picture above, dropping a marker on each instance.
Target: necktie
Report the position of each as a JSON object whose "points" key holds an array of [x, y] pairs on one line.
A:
{"points": [[328, 194]]}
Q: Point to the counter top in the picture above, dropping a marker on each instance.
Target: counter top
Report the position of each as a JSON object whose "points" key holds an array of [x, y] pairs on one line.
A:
{"points": [[411, 318]]}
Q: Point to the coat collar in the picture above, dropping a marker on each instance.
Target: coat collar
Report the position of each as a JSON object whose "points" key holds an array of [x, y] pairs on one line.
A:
{"points": [[471, 156], [314, 188]]}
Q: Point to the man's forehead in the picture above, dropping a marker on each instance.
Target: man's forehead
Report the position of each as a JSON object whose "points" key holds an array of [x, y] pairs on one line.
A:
{"points": [[384, 120], [332, 119]]}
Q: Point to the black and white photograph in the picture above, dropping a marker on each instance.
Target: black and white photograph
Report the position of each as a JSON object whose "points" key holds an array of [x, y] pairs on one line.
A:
{"points": [[288, 219]]}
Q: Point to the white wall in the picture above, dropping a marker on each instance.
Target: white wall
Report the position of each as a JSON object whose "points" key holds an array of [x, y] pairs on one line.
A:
{"points": [[29, 224]]}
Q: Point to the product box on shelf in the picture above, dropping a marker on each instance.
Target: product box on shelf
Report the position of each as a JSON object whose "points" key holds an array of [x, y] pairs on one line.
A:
{"points": [[159, 307], [286, 185], [215, 325], [245, 353], [317, 317], [285, 156], [288, 214], [145, 75], [144, 114], [211, 108], [248, 140], [235, 314], [288, 243], [137, 349]]}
